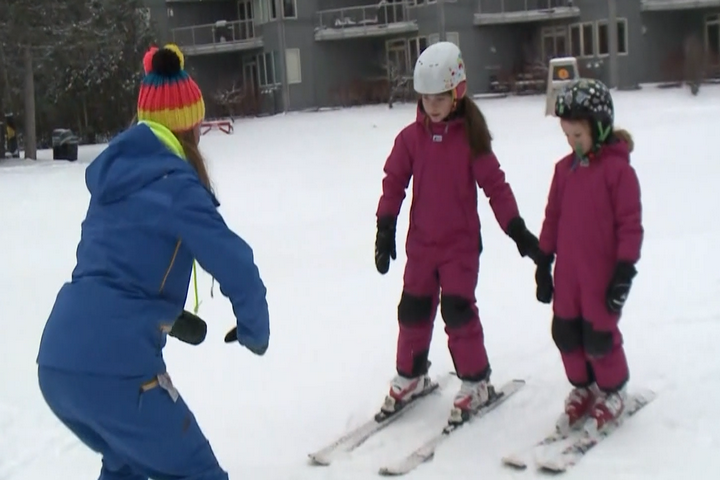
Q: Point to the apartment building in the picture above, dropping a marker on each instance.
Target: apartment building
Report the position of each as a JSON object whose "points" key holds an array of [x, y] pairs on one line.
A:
{"points": [[266, 56]]}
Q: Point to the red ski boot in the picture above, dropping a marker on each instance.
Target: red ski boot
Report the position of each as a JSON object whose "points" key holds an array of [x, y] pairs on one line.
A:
{"points": [[578, 406], [608, 408]]}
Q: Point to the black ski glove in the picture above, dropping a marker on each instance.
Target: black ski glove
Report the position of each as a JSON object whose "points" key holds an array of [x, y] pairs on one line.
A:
{"points": [[619, 287], [385, 243], [189, 328], [232, 337], [527, 243], [543, 278]]}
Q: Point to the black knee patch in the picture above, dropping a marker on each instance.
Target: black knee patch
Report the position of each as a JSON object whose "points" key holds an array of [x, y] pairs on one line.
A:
{"points": [[414, 310], [597, 342], [567, 333], [456, 311]]}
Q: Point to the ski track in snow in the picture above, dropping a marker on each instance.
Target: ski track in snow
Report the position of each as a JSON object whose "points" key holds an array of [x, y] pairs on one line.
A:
{"points": [[302, 189]]}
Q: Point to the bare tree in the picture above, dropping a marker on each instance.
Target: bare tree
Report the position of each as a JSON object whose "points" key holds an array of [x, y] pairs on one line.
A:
{"points": [[397, 80], [230, 99]]}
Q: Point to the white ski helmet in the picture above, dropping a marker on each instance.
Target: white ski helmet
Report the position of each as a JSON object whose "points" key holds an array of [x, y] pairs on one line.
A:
{"points": [[439, 68]]}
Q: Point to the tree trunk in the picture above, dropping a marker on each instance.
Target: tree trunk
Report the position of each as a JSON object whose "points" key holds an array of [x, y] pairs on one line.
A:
{"points": [[30, 133]]}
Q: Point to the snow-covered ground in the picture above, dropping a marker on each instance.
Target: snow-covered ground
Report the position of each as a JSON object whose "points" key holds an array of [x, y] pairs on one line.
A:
{"points": [[302, 190]]}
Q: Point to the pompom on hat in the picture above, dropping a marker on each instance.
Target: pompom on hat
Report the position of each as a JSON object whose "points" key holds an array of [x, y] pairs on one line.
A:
{"points": [[168, 95]]}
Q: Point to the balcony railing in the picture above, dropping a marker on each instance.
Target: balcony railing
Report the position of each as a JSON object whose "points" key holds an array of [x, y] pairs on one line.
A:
{"points": [[221, 36], [364, 21], [669, 5], [513, 11]]}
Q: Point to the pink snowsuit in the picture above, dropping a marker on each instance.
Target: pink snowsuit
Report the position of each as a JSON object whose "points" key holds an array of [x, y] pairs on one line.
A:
{"points": [[443, 242], [592, 221]]}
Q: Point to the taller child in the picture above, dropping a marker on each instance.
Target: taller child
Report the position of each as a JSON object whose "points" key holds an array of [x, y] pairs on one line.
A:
{"points": [[447, 151], [151, 212]]}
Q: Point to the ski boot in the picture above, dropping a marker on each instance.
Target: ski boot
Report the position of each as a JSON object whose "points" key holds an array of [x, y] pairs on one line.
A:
{"points": [[607, 409], [578, 406], [471, 397], [402, 391]]}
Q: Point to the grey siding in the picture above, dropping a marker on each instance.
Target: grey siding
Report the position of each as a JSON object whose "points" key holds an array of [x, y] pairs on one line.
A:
{"points": [[330, 69], [663, 40]]}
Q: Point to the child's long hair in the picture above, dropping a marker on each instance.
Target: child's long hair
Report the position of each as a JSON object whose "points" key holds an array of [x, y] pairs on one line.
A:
{"points": [[625, 136], [476, 127], [194, 157]]}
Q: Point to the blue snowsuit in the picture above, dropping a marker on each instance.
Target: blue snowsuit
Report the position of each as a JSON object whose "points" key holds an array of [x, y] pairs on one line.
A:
{"points": [[101, 368]]}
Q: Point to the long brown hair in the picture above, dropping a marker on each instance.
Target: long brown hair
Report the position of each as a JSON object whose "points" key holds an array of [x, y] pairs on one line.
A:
{"points": [[476, 127], [194, 157]]}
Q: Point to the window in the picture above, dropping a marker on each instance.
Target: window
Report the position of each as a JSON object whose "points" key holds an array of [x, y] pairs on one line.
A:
{"points": [[554, 42], [582, 40], [289, 8], [603, 37], [712, 35], [266, 10], [292, 63], [416, 46], [267, 69], [452, 37]]}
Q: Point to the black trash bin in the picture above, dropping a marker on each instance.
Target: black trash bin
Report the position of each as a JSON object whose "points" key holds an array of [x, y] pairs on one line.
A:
{"points": [[65, 144]]}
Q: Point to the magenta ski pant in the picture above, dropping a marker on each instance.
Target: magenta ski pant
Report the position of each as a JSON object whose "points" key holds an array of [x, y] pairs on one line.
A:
{"points": [[585, 332], [447, 277]]}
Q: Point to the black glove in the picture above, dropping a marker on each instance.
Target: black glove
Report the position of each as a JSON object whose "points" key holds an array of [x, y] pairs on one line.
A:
{"points": [[232, 337], [385, 243], [619, 287], [527, 243], [543, 278], [189, 328]]}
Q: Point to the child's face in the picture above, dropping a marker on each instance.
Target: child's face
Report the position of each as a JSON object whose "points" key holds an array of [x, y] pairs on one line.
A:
{"points": [[578, 135], [437, 107]]}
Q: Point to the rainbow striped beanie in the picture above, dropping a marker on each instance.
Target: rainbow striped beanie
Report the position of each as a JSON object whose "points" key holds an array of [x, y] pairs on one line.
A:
{"points": [[168, 95]]}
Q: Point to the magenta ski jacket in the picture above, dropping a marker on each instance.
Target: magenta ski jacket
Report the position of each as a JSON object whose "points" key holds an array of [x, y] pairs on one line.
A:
{"points": [[593, 217], [445, 178]]}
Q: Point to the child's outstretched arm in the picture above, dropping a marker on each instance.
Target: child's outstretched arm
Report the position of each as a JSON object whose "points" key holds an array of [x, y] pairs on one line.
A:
{"points": [[491, 179]]}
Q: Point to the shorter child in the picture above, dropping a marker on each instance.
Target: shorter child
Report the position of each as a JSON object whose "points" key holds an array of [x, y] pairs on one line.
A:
{"points": [[593, 226]]}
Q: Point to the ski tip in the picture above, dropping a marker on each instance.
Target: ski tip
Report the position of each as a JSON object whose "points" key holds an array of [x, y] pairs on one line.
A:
{"points": [[518, 381], [314, 459], [515, 463], [386, 472]]}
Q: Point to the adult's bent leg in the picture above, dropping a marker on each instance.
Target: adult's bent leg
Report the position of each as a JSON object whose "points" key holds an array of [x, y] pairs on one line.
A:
{"points": [[160, 437], [58, 390]]}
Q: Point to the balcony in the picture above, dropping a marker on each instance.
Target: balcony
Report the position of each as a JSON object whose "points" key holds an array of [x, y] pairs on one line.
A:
{"points": [[364, 21], [493, 12], [670, 5], [219, 37]]}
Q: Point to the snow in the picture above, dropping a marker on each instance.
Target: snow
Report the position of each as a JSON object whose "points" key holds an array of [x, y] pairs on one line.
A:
{"points": [[302, 190]]}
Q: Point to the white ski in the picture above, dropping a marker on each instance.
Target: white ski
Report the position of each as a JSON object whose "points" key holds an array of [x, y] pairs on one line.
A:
{"points": [[426, 451], [583, 442], [357, 436]]}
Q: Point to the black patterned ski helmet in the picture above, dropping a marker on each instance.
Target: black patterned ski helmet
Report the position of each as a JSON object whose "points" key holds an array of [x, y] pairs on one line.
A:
{"points": [[588, 99]]}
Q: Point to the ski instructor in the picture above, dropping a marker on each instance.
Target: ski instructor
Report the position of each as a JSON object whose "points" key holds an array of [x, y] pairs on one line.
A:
{"points": [[151, 214]]}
